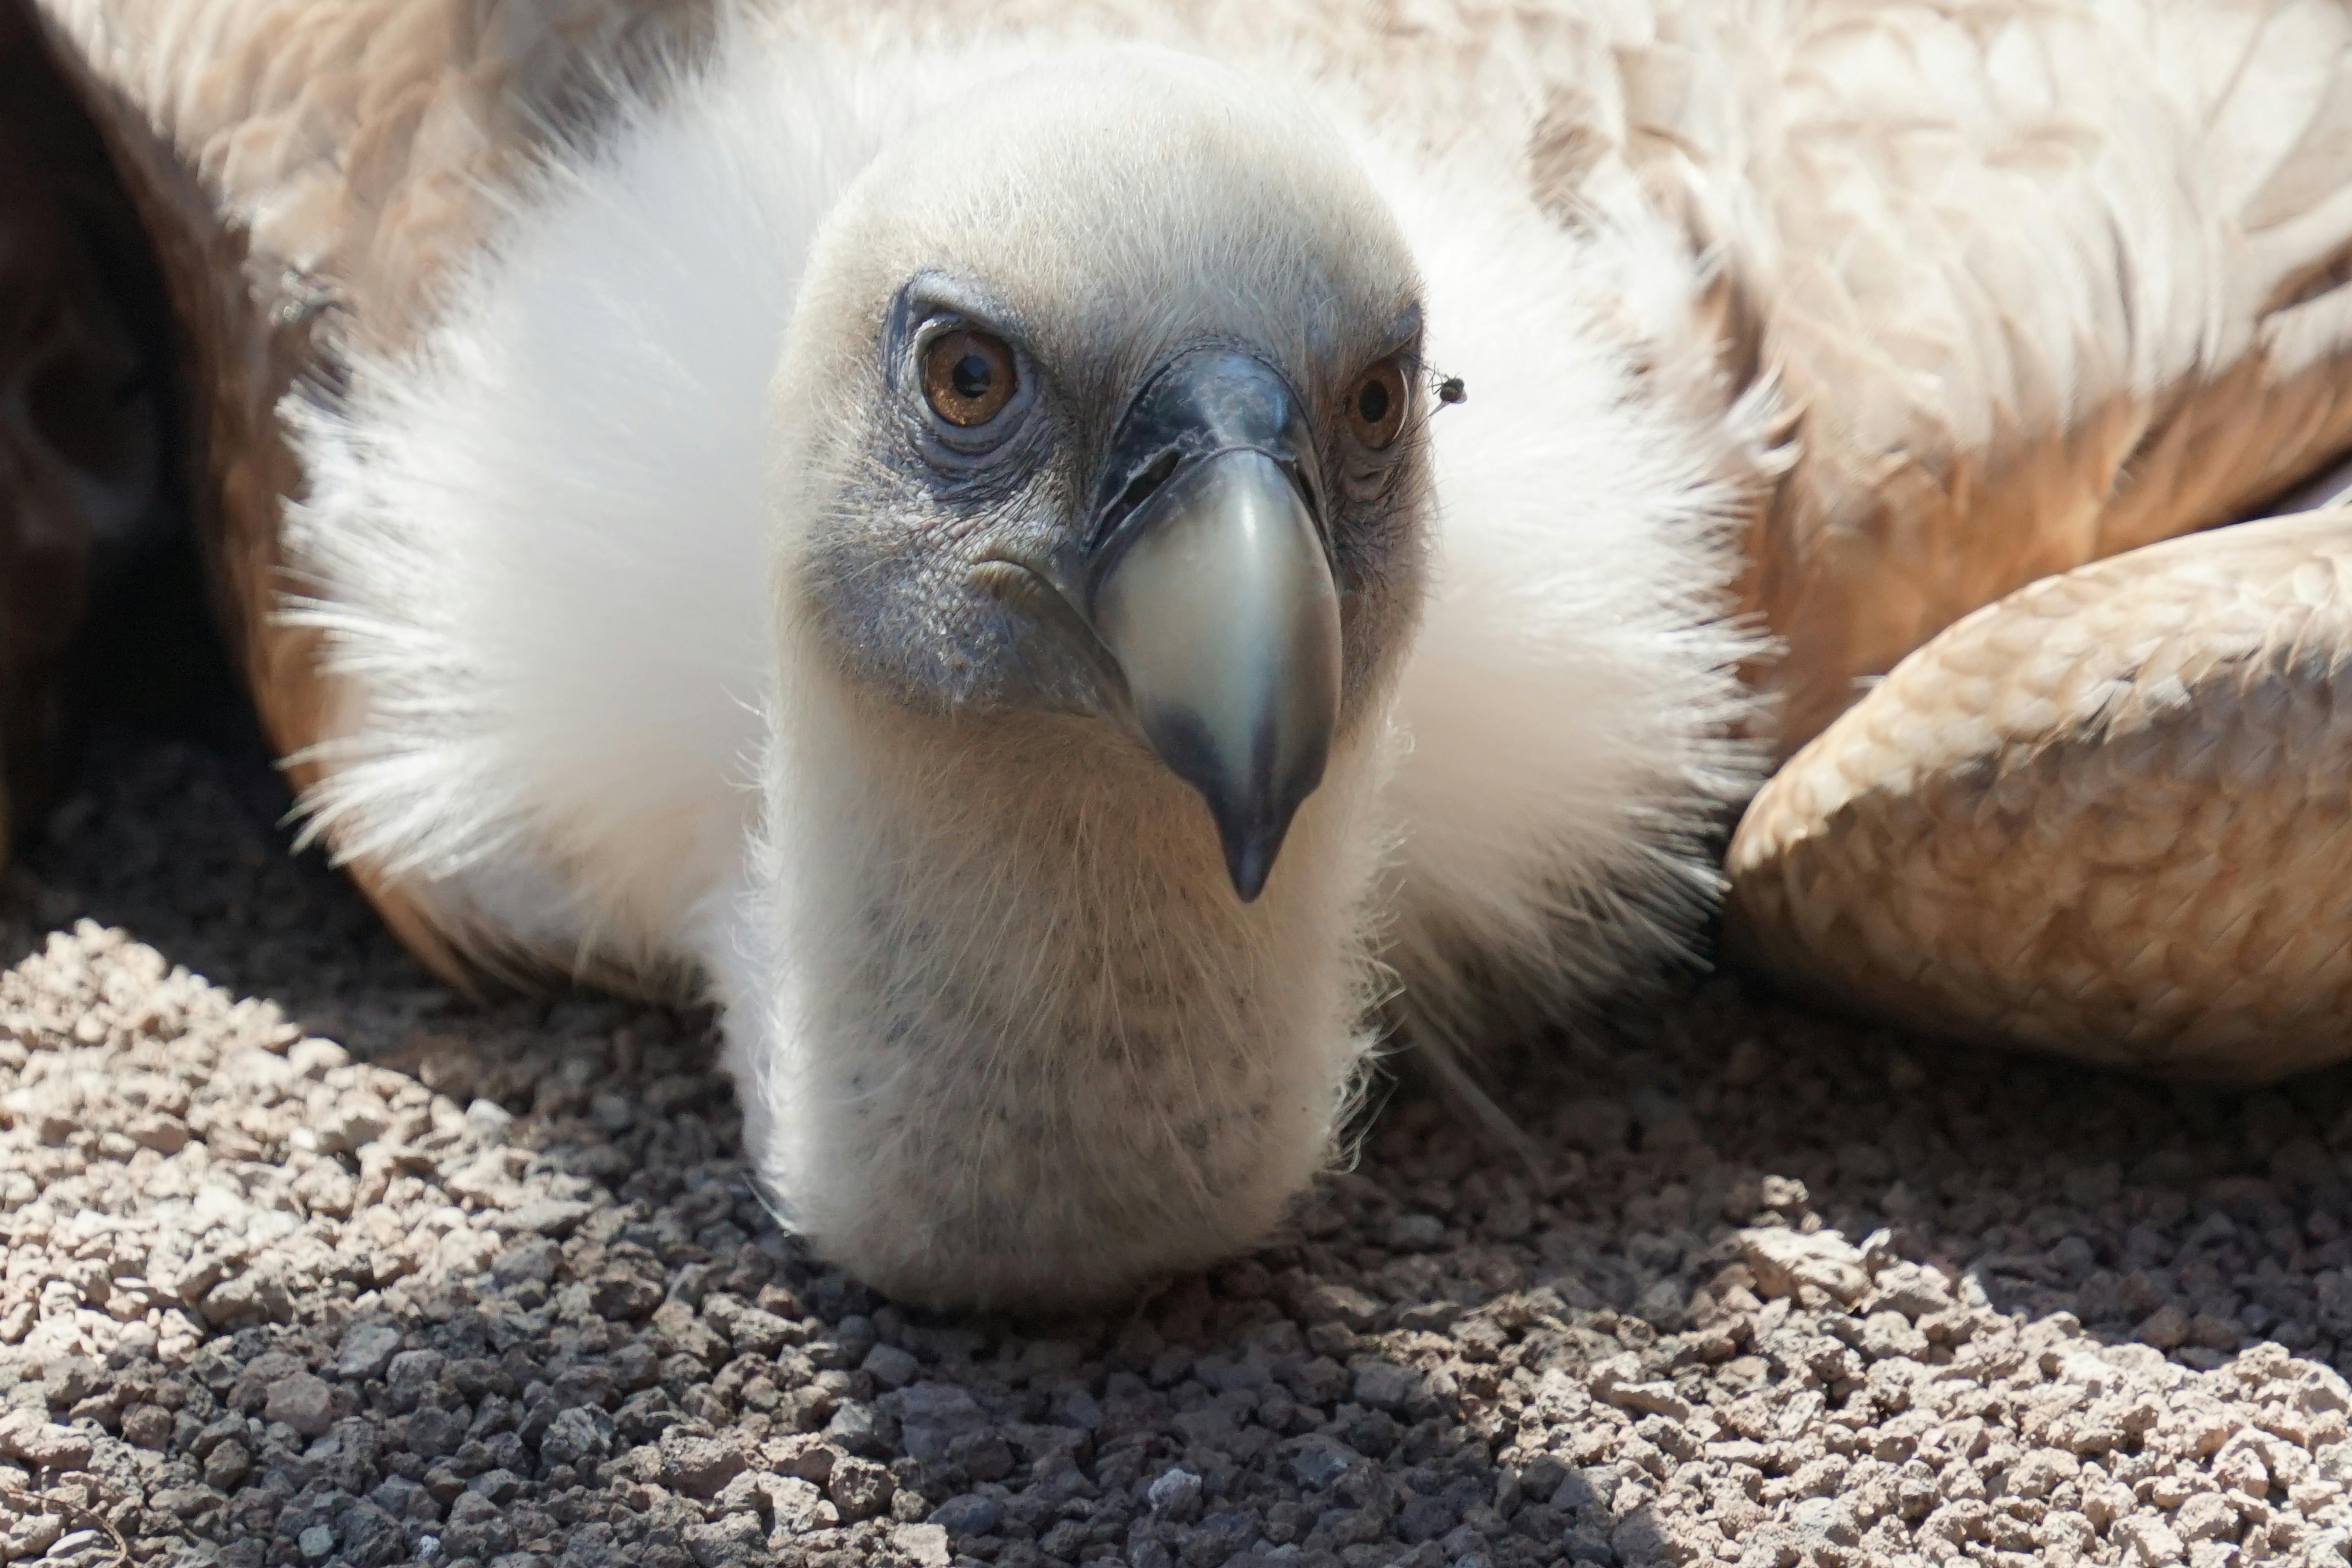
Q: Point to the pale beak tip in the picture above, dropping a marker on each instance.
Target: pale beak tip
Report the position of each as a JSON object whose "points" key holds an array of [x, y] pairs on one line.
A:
{"points": [[1249, 860]]}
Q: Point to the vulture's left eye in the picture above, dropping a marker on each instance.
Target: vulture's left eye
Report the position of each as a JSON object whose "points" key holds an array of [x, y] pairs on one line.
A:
{"points": [[969, 378], [1376, 407]]}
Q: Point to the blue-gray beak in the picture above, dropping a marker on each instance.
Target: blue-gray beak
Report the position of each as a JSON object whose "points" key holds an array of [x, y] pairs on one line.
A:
{"points": [[1210, 585]]}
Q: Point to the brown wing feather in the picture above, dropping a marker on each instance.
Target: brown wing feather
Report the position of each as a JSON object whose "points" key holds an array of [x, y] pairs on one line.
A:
{"points": [[2038, 283]]}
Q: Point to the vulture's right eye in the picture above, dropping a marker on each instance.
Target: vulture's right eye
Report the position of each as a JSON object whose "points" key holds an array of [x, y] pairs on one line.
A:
{"points": [[969, 378]]}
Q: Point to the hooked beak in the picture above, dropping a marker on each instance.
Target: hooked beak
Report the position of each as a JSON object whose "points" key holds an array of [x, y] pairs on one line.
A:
{"points": [[1211, 588]]}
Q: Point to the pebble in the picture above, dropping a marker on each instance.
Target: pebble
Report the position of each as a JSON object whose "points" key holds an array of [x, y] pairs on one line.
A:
{"points": [[969, 1514], [698, 1465], [890, 1366], [304, 1403], [42, 1445], [534, 1261], [488, 1121], [577, 1434], [1176, 1496], [732, 1538], [366, 1350], [554, 1217], [227, 1466], [924, 1545], [860, 1488]]}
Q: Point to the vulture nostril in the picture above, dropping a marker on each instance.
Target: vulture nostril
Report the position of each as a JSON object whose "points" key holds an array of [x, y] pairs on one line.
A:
{"points": [[1156, 474]]}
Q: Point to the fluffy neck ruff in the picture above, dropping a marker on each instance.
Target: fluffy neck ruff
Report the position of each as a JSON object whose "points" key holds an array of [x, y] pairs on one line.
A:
{"points": [[1008, 1034]]}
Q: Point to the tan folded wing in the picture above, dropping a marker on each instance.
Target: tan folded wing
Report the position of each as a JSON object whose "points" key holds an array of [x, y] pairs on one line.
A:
{"points": [[2038, 281], [2110, 816]]}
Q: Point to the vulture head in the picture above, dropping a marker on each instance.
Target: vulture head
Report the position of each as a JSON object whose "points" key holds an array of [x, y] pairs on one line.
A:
{"points": [[1099, 403], [1095, 523]]}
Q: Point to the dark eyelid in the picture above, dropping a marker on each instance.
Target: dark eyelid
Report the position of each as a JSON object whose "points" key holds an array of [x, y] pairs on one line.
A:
{"points": [[927, 303], [930, 298]]}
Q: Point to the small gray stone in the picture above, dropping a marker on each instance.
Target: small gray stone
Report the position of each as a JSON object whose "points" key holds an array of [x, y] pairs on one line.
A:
{"points": [[553, 1218], [367, 1349], [577, 1434], [185, 1501], [534, 1261], [1175, 1495], [621, 1297], [1461, 1543], [42, 1445], [1384, 1385], [924, 1545], [304, 1401], [1416, 1233], [315, 1543], [24, 1538], [315, 1057], [372, 1538], [697, 1464], [435, 1430], [1231, 1530], [147, 1427], [592, 1545], [857, 1427], [795, 1503], [807, 1457], [488, 1121], [856, 1334], [931, 1415], [403, 1499], [412, 1377], [732, 1538], [72, 1544], [749, 1329], [890, 1366], [860, 1488], [1424, 1519], [1319, 1461], [969, 1515], [1816, 1516], [228, 1465]]}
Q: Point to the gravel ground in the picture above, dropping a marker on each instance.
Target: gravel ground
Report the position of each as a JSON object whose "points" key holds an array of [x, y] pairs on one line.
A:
{"points": [[309, 1262]]}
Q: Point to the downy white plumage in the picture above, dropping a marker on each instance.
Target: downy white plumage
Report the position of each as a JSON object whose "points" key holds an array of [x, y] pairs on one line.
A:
{"points": [[674, 651]]}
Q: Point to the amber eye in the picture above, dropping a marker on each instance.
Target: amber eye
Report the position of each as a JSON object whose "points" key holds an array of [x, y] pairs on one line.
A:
{"points": [[1376, 409], [968, 377]]}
